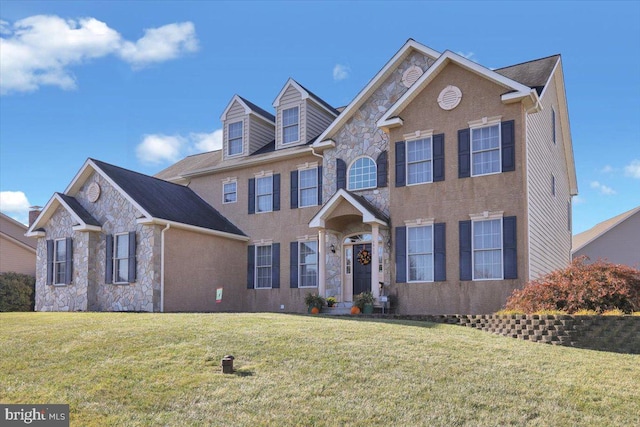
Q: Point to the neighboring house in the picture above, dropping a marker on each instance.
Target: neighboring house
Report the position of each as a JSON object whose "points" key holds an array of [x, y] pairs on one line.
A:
{"points": [[17, 252], [616, 240], [446, 181]]}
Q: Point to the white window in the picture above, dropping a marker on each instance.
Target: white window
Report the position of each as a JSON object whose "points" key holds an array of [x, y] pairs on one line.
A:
{"points": [[229, 192], [420, 253], [419, 161], [308, 264], [235, 138], [264, 194], [290, 128], [263, 266], [362, 174], [121, 258], [485, 150], [308, 187], [487, 249], [60, 262]]}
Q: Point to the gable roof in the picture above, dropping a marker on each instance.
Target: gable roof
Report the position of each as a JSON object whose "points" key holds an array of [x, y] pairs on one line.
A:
{"points": [[305, 93], [581, 240], [515, 91], [174, 172], [370, 214], [159, 202], [83, 219], [535, 73], [249, 108], [15, 231], [377, 80]]}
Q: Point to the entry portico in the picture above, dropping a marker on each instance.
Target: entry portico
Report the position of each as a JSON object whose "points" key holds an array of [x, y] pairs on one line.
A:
{"points": [[354, 223]]}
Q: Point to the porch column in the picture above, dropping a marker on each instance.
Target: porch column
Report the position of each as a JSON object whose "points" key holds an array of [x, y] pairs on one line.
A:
{"points": [[322, 262], [375, 269]]}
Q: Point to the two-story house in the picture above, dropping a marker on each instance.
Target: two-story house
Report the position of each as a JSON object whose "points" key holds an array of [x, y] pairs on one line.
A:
{"points": [[443, 183]]}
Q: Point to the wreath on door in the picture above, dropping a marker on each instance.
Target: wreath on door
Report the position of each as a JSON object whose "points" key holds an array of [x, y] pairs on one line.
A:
{"points": [[364, 257]]}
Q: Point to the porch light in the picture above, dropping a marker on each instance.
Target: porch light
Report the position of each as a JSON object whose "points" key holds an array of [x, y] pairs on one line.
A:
{"points": [[333, 249]]}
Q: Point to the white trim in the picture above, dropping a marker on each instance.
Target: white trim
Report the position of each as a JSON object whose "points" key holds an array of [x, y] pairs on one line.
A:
{"points": [[349, 174], [258, 176], [318, 220], [528, 188], [300, 242], [255, 266], [317, 187], [372, 86], [162, 273], [247, 110], [307, 238], [194, 228], [419, 222], [36, 234], [54, 281], [485, 122], [283, 127], [228, 181], [114, 260], [393, 122], [406, 160], [521, 91], [473, 250], [499, 149], [303, 95], [86, 228], [225, 153], [419, 134], [307, 165], [49, 210], [262, 242], [433, 253], [486, 215]]}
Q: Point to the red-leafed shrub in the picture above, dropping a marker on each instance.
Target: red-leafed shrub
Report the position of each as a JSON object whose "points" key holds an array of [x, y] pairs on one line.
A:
{"points": [[600, 286]]}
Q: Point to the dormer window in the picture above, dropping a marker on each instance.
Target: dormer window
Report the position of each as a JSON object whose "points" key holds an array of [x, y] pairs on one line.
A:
{"points": [[235, 138], [290, 125]]}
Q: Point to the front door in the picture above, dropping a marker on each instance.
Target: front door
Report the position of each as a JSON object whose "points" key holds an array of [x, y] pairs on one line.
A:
{"points": [[361, 268]]}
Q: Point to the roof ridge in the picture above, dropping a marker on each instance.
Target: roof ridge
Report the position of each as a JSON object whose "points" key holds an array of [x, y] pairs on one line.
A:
{"points": [[322, 101], [257, 108], [132, 171]]}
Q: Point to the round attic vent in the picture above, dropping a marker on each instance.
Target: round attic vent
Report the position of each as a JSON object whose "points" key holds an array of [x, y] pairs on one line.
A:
{"points": [[93, 192], [411, 75], [449, 98]]}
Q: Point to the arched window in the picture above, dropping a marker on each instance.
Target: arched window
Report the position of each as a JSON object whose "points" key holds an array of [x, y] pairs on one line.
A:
{"points": [[362, 174]]}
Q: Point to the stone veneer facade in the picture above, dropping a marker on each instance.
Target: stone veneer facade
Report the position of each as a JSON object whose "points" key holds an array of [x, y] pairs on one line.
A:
{"points": [[357, 138], [88, 290]]}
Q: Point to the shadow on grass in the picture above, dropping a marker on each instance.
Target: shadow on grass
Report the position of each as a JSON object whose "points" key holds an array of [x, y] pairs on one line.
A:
{"points": [[374, 318]]}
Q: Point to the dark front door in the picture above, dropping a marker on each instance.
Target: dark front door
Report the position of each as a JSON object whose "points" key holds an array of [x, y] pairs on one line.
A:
{"points": [[361, 271]]}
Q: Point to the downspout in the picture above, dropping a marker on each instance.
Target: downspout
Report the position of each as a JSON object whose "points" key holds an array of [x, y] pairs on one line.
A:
{"points": [[162, 268]]}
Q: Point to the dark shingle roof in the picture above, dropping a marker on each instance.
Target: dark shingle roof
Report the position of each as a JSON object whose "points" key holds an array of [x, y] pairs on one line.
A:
{"points": [[79, 210], [369, 206], [258, 110], [534, 74], [168, 201], [320, 100]]}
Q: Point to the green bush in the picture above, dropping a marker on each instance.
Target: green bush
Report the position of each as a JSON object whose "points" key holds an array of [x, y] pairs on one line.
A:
{"points": [[599, 287], [17, 292]]}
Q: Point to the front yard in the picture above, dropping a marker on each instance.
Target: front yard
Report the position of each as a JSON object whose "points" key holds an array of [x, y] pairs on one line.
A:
{"points": [[163, 369]]}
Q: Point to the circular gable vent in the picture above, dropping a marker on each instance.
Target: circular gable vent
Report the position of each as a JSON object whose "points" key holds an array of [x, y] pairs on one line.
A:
{"points": [[411, 75], [93, 192], [449, 98]]}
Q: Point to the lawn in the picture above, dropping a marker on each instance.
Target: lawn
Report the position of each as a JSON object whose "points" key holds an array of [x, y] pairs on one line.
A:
{"points": [[164, 369]]}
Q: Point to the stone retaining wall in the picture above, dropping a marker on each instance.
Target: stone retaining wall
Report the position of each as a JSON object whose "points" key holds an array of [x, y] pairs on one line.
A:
{"points": [[619, 334]]}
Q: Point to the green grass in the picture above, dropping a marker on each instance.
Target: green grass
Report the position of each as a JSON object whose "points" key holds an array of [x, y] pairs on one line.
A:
{"points": [[163, 369]]}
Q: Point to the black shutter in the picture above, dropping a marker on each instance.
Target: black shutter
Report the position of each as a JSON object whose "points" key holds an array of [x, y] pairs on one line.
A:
{"points": [[132, 257], [293, 264], [276, 192], [68, 266], [275, 265], [464, 153], [382, 165], [510, 247], [401, 254], [252, 195], [465, 250], [251, 266], [438, 157], [508, 146], [294, 189], [401, 174], [108, 263], [341, 174], [50, 251], [319, 185], [439, 252]]}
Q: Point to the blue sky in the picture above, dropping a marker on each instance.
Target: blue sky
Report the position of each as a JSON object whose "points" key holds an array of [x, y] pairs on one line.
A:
{"points": [[142, 84]]}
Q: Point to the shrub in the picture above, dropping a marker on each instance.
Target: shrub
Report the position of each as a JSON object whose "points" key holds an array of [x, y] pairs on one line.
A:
{"points": [[598, 287], [17, 292]]}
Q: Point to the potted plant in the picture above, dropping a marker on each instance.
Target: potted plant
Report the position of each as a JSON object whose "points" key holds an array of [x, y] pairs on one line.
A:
{"points": [[314, 301], [364, 301], [331, 301]]}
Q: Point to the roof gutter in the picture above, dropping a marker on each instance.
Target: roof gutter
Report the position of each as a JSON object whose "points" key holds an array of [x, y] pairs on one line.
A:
{"points": [[162, 258]]}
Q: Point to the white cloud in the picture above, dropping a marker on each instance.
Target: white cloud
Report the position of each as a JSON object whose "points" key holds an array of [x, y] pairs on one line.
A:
{"points": [[156, 149], [341, 72], [607, 169], [603, 189], [468, 55], [160, 44], [633, 169], [578, 200], [15, 204], [41, 49]]}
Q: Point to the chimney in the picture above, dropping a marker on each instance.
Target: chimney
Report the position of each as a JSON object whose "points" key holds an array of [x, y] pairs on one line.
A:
{"points": [[34, 211]]}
